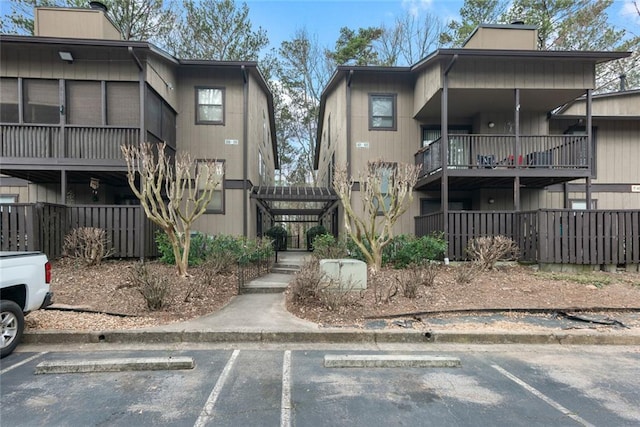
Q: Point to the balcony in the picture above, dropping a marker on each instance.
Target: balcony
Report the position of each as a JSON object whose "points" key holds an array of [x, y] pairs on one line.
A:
{"points": [[55, 142], [499, 157]]}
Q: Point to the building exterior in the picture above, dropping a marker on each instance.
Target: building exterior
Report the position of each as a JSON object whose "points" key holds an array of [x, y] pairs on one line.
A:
{"points": [[484, 123], [74, 93]]}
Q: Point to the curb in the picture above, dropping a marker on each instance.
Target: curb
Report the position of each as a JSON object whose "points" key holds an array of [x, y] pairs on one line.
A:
{"points": [[327, 337], [114, 365]]}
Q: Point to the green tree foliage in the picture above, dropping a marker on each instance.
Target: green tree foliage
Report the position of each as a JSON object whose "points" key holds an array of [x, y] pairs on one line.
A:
{"points": [[562, 25], [216, 30], [136, 19], [356, 48], [472, 14]]}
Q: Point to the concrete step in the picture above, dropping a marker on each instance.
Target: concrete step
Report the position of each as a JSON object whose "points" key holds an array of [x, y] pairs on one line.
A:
{"points": [[284, 270], [262, 290]]}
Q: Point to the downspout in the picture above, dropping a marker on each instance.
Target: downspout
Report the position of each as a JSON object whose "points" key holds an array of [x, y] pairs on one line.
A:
{"points": [[516, 154], [444, 138], [141, 140], [245, 148], [349, 77], [589, 151]]}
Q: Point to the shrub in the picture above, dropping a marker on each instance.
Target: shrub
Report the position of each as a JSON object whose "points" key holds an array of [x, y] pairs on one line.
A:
{"points": [[198, 251], [87, 243], [486, 251], [466, 272], [305, 286], [312, 233], [325, 246], [407, 249], [411, 279], [153, 287], [278, 234]]}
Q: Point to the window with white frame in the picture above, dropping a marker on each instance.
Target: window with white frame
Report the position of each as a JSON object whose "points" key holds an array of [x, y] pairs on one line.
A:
{"points": [[382, 112], [216, 205], [210, 105]]}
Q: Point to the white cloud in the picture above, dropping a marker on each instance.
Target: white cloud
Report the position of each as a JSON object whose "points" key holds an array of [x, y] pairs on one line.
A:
{"points": [[629, 11], [415, 7]]}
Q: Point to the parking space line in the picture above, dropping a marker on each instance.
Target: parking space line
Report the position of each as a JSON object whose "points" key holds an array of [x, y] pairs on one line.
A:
{"points": [[542, 396], [285, 414], [27, 360], [207, 411]]}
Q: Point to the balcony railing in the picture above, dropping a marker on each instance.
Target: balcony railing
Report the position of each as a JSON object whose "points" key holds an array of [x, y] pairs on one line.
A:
{"points": [[501, 151], [72, 142]]}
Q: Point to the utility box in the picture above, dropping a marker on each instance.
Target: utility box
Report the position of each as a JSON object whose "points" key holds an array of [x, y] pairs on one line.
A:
{"points": [[347, 274]]}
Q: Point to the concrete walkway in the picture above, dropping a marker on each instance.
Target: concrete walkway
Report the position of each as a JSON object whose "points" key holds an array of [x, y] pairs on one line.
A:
{"points": [[260, 308]]}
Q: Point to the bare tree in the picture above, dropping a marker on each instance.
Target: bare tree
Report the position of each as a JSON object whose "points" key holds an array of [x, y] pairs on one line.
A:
{"points": [[386, 192], [409, 40], [172, 196]]}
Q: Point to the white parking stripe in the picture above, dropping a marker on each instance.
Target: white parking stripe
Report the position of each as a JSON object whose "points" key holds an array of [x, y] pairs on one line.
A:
{"points": [[207, 411], [27, 360], [540, 395], [285, 414]]}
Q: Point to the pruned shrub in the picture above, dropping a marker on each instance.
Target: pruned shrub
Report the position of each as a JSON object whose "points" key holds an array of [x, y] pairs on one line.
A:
{"points": [[278, 235], [466, 272], [417, 276], [486, 251], [89, 244], [306, 285], [405, 249], [154, 287]]}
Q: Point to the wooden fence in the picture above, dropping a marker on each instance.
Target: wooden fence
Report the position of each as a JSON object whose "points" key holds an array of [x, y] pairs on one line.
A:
{"points": [[42, 227], [558, 236]]}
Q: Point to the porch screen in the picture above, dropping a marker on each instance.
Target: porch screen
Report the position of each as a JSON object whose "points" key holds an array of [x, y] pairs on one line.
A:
{"points": [[41, 101], [9, 100], [84, 103], [123, 103]]}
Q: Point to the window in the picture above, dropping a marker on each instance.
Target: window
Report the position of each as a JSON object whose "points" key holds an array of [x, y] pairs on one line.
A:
{"points": [[9, 110], [385, 176], [84, 103], [41, 101], [382, 111], [581, 205], [209, 106], [216, 205], [123, 104]]}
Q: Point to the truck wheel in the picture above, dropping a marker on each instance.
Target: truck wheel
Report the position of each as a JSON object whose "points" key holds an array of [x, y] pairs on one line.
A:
{"points": [[12, 321]]}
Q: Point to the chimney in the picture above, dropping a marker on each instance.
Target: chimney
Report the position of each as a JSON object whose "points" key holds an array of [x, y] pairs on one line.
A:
{"points": [[623, 82], [98, 6]]}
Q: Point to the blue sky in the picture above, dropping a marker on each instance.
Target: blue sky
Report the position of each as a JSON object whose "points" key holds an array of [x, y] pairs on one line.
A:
{"points": [[324, 18]]}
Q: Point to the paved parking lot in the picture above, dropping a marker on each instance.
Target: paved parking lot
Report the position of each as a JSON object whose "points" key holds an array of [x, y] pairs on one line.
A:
{"points": [[547, 386]]}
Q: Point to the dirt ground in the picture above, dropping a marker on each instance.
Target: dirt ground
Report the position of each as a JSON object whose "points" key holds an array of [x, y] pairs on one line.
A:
{"points": [[108, 288]]}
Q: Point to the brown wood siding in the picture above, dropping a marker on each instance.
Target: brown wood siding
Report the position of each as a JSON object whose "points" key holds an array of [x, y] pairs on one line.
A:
{"points": [[162, 77], [208, 141], [500, 73], [620, 104], [391, 145], [259, 135], [90, 63], [428, 83], [335, 110]]}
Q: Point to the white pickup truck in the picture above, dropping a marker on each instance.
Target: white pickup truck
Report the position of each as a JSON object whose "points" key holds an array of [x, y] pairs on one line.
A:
{"points": [[24, 287]]}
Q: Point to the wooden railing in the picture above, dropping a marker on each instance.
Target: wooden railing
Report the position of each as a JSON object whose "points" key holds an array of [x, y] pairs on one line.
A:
{"points": [[72, 142], [42, 227], [502, 151], [558, 236]]}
